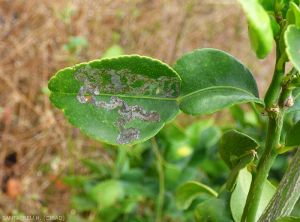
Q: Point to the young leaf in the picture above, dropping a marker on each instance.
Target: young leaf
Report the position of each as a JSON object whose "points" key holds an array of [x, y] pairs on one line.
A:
{"points": [[213, 80], [293, 14], [107, 193], [260, 30], [288, 219], [292, 137], [274, 25], [212, 210], [235, 145], [187, 192], [239, 195], [122, 100], [292, 36]]}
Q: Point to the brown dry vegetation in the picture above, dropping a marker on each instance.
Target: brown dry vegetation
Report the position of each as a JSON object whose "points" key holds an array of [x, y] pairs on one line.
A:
{"points": [[32, 35]]}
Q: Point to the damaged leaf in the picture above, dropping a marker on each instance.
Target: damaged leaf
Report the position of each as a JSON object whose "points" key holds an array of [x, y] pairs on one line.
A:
{"points": [[122, 100]]}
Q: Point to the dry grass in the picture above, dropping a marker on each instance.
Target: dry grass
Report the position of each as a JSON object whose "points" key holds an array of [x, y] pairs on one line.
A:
{"points": [[32, 35]]}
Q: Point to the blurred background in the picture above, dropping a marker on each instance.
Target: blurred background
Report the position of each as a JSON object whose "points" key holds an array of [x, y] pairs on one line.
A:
{"points": [[46, 165]]}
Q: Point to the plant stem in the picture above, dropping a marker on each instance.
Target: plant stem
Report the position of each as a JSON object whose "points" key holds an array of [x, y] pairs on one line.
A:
{"points": [[273, 91], [160, 170], [287, 193], [263, 168], [272, 141], [120, 161]]}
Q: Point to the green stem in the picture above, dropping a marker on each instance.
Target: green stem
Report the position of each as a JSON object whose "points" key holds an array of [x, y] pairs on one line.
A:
{"points": [[160, 170], [120, 161], [273, 91], [263, 168], [272, 141], [287, 193]]}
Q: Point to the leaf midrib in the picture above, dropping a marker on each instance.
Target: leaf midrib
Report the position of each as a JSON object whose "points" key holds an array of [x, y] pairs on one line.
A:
{"points": [[178, 99], [216, 87]]}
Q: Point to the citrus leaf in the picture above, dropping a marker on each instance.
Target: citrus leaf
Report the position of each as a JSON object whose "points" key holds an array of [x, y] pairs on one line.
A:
{"points": [[292, 36], [187, 192], [268, 4], [213, 80], [260, 30], [239, 195], [212, 210], [293, 14], [234, 145], [107, 193], [274, 25], [288, 219], [122, 100], [292, 137]]}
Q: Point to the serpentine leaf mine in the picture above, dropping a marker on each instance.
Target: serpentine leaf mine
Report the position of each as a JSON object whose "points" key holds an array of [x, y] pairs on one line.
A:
{"points": [[109, 81]]}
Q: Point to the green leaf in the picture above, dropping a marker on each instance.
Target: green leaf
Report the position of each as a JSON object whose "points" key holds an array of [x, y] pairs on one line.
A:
{"points": [[234, 145], [237, 150], [107, 193], [288, 219], [213, 80], [212, 210], [189, 191], [239, 195], [274, 24], [113, 51], [83, 203], [292, 137], [293, 14], [268, 4], [123, 100], [292, 36], [260, 30]]}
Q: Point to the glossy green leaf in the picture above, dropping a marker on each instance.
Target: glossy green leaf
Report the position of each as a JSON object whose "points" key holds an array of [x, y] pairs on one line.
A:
{"points": [[187, 192], [212, 210], [237, 150], [107, 193], [274, 24], [213, 80], [260, 30], [288, 219], [292, 36], [234, 145], [239, 195], [293, 14], [123, 100], [268, 4], [293, 136]]}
